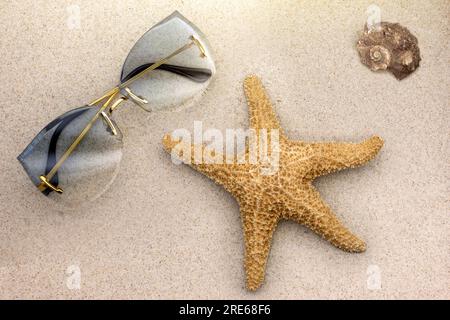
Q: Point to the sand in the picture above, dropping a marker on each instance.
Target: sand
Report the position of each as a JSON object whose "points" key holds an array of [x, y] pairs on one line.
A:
{"points": [[165, 231]]}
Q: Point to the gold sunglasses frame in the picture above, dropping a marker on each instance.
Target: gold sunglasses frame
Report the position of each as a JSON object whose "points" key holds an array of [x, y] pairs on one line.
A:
{"points": [[109, 97]]}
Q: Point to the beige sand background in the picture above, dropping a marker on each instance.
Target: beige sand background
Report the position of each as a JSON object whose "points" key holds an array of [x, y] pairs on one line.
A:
{"points": [[165, 231]]}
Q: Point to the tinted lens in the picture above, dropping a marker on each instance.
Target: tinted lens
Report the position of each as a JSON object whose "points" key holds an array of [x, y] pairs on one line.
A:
{"points": [[88, 170], [180, 79]]}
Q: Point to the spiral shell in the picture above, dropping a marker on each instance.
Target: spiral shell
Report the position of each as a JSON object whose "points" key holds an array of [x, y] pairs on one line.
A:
{"points": [[389, 46]]}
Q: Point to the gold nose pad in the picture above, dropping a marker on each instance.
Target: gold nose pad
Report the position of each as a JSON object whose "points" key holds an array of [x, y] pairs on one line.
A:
{"points": [[109, 123], [141, 102]]}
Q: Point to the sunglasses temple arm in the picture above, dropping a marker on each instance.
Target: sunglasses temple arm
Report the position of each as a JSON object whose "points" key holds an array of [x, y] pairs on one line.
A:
{"points": [[194, 41], [110, 95]]}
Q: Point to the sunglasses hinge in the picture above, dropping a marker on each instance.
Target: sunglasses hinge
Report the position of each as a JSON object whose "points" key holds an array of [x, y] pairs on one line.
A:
{"points": [[46, 184], [200, 46]]}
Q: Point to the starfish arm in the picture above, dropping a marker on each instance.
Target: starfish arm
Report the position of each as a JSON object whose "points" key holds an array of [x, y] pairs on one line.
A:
{"points": [[331, 157], [222, 172], [259, 225], [307, 207], [262, 115]]}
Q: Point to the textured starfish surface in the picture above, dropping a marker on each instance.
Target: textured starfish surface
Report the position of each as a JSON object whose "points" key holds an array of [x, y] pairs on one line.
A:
{"points": [[264, 199]]}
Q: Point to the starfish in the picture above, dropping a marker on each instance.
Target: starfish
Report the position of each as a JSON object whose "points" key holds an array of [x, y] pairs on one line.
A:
{"points": [[288, 193]]}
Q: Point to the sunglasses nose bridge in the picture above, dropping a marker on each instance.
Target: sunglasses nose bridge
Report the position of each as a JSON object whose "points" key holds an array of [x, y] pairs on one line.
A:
{"points": [[117, 103]]}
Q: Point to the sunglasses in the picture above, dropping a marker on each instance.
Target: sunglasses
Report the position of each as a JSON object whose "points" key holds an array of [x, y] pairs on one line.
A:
{"points": [[78, 154]]}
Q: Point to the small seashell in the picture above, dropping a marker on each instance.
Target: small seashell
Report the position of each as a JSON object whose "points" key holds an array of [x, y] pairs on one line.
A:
{"points": [[380, 58], [389, 46]]}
